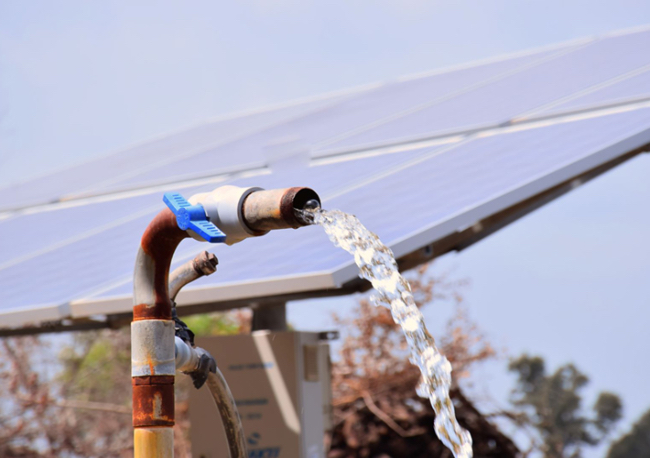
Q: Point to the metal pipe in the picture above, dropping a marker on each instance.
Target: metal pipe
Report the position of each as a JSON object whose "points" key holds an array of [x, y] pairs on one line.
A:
{"points": [[203, 264], [264, 211], [225, 402], [152, 335], [153, 364]]}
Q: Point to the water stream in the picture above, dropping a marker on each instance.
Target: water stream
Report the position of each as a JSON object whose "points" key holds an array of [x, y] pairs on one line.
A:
{"points": [[377, 264]]}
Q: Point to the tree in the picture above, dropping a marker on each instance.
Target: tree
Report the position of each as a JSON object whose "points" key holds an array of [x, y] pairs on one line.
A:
{"points": [[552, 404], [77, 403], [376, 410], [636, 443]]}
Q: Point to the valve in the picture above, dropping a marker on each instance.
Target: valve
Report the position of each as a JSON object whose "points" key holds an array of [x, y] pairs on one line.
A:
{"points": [[193, 218]]}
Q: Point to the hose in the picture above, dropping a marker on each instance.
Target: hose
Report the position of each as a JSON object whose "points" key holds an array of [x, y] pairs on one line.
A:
{"points": [[232, 425]]}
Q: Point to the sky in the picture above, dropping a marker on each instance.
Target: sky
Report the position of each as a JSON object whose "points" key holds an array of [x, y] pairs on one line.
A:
{"points": [[568, 282]]}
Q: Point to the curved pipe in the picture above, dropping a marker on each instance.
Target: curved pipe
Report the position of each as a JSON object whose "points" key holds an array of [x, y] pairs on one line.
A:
{"points": [[229, 414], [150, 280], [153, 367], [203, 264]]}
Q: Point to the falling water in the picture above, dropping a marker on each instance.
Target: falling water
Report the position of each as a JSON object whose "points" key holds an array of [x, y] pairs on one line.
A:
{"points": [[377, 264]]}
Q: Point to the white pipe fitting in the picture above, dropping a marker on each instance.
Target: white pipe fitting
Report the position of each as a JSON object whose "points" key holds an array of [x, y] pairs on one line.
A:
{"points": [[223, 207], [187, 358]]}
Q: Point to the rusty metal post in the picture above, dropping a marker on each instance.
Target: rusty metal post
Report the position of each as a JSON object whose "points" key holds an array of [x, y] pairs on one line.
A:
{"points": [[153, 364]]}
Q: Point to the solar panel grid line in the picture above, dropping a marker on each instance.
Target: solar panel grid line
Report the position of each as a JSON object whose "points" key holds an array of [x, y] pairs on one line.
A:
{"points": [[570, 115], [563, 118], [446, 97], [634, 90], [500, 130], [625, 31], [396, 149], [430, 122], [596, 87]]}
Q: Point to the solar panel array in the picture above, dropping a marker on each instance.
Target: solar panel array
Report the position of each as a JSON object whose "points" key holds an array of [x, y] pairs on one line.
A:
{"points": [[416, 160]]}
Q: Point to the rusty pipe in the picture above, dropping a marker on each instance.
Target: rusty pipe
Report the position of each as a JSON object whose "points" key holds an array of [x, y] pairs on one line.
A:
{"points": [[264, 211], [153, 365], [205, 263]]}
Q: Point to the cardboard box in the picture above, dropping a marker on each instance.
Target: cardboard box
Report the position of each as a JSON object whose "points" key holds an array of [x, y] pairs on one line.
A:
{"points": [[281, 382]]}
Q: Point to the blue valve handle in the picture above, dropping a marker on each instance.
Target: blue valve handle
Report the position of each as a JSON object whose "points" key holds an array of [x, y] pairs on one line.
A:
{"points": [[193, 217]]}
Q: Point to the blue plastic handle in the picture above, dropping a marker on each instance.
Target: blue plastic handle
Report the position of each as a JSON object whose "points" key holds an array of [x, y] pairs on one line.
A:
{"points": [[193, 217]]}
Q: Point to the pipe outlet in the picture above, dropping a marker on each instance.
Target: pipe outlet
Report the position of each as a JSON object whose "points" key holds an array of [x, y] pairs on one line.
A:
{"points": [[249, 212]]}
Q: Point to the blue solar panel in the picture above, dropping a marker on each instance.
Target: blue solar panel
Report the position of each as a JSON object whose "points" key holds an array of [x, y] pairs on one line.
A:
{"points": [[410, 197], [514, 96]]}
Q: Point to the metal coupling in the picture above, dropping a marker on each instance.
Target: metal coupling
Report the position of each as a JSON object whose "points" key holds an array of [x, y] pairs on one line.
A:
{"points": [[194, 361], [152, 348], [276, 209]]}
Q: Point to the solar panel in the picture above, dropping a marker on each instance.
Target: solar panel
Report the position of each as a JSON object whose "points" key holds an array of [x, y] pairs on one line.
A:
{"points": [[307, 132], [434, 194], [551, 79], [369, 152]]}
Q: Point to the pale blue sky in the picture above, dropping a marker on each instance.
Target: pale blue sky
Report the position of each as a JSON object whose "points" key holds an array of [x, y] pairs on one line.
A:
{"points": [[79, 79]]}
